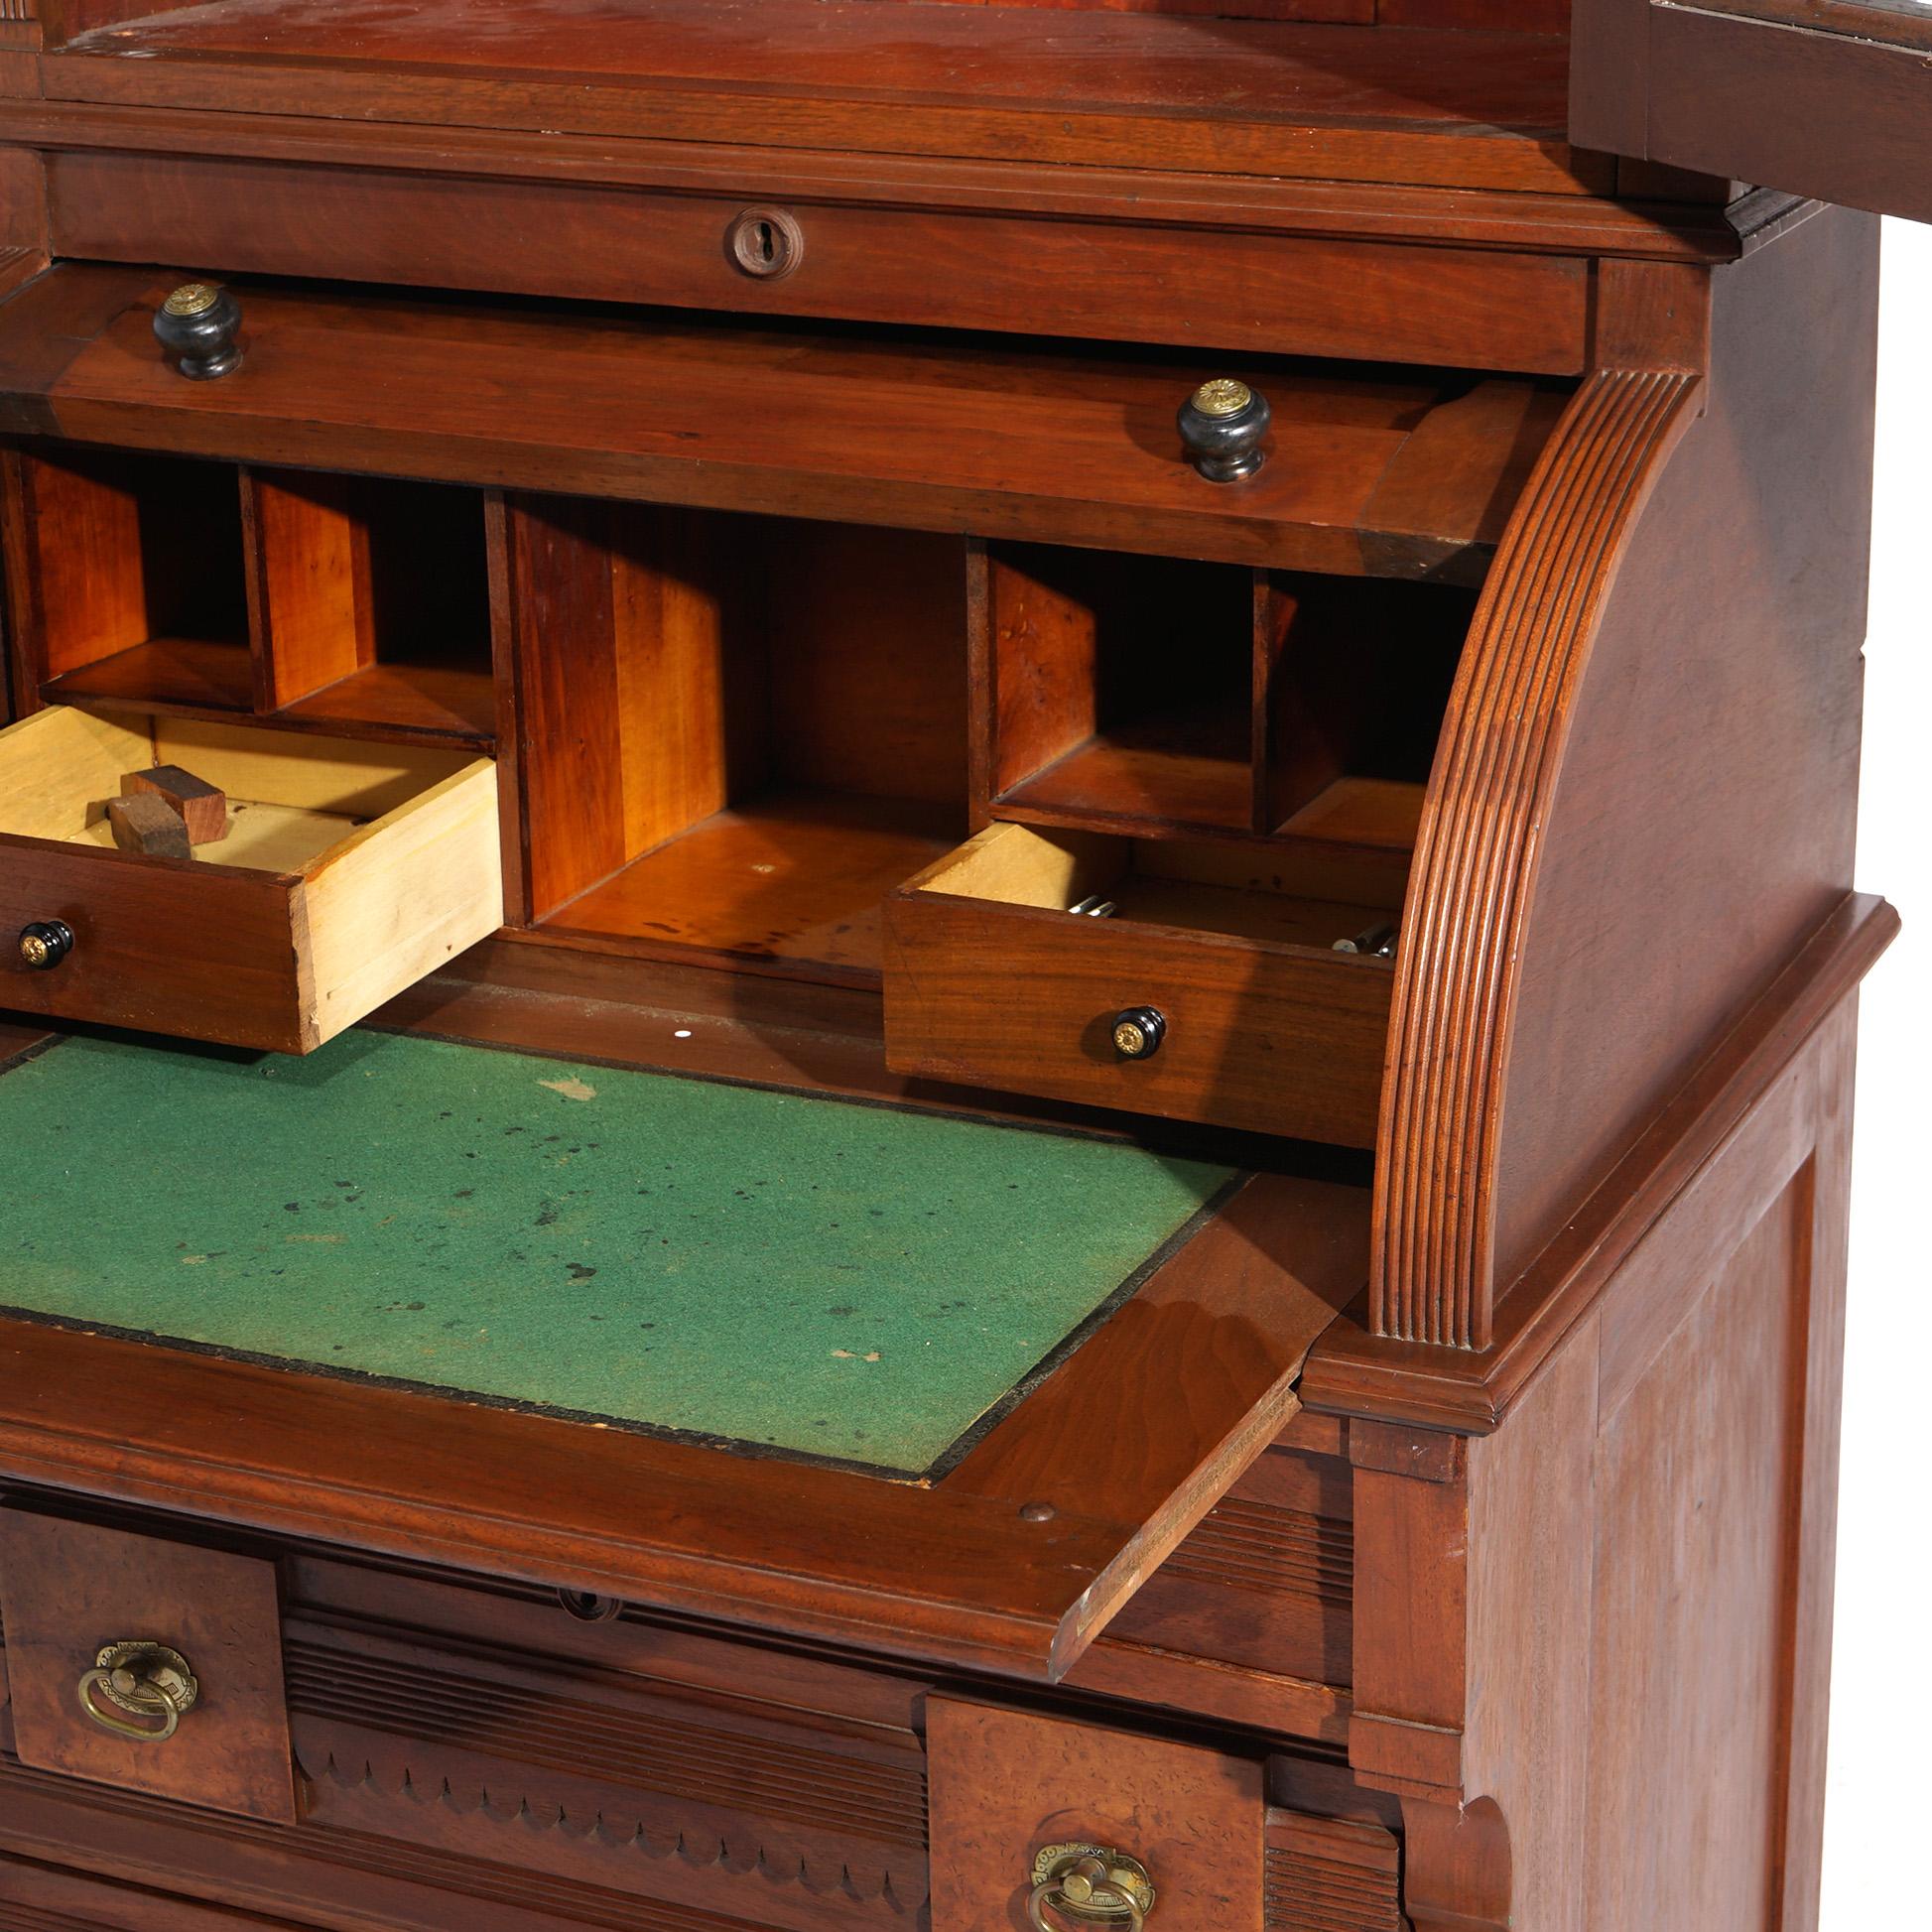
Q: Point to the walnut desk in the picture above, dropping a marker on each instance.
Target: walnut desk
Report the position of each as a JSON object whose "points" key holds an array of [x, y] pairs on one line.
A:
{"points": [[1003, 1074]]}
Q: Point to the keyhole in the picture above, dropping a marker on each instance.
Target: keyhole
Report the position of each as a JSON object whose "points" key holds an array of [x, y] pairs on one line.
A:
{"points": [[765, 242]]}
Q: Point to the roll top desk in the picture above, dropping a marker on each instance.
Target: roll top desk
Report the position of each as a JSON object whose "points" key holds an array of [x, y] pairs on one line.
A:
{"points": [[1009, 1080]]}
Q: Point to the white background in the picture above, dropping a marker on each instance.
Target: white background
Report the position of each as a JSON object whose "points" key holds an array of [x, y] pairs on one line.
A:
{"points": [[1875, 1825]]}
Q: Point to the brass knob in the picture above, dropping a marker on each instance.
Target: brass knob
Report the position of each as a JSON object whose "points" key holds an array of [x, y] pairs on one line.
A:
{"points": [[197, 325], [45, 943], [1092, 1884], [1223, 425], [150, 1682], [1138, 1032]]}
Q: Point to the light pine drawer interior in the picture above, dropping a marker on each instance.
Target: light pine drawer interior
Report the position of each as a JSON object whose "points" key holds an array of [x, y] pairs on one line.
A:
{"points": [[348, 871]]}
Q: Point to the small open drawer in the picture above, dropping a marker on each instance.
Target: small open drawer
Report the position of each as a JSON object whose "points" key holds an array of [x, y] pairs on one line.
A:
{"points": [[992, 978], [347, 871]]}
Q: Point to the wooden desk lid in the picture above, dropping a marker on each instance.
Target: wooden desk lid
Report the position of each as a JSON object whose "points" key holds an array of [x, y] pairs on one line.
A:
{"points": [[1012, 1558], [1401, 473]]}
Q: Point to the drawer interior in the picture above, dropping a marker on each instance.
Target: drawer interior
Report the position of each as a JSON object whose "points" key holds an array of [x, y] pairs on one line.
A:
{"points": [[1279, 898], [291, 800]]}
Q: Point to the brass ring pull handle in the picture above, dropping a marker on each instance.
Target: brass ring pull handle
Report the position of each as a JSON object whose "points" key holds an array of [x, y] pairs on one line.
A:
{"points": [[148, 1681], [1090, 1884]]}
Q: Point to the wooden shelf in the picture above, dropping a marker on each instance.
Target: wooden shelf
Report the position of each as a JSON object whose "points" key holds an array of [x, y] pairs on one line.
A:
{"points": [[1189, 777], [454, 702], [178, 673], [795, 878], [1383, 813], [1097, 88]]}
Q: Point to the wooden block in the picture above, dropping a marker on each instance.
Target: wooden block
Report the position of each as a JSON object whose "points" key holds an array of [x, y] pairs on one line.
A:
{"points": [[147, 823], [198, 804]]}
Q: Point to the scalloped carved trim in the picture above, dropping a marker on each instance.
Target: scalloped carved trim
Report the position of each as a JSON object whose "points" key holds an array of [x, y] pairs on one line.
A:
{"points": [[1475, 872], [550, 1896]]}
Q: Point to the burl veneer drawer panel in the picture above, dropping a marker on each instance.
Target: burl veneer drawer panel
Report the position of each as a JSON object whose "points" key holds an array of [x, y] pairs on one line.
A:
{"points": [[1262, 1025], [150, 1665], [1014, 1790], [347, 872], [1282, 293]]}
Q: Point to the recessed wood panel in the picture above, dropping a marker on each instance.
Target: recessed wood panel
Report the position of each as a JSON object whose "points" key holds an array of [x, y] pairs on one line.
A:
{"points": [[1695, 1562]]}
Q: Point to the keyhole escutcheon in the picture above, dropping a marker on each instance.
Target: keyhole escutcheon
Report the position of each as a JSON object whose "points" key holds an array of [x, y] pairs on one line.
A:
{"points": [[765, 242]]}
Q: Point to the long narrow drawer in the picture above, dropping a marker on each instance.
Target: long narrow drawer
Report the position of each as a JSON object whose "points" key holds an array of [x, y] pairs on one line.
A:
{"points": [[347, 872], [1210, 289]]}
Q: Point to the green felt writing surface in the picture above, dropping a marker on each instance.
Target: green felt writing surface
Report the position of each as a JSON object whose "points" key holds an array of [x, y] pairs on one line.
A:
{"points": [[813, 1276]]}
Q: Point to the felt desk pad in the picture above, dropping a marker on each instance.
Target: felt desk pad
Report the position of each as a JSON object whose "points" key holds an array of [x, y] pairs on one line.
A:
{"points": [[817, 1276]]}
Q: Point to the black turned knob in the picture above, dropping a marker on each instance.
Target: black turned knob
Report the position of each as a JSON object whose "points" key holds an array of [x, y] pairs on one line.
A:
{"points": [[1138, 1032], [198, 326], [1222, 426], [45, 943]]}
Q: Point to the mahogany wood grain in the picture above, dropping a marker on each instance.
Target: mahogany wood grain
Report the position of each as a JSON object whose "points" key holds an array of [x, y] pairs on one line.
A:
{"points": [[1332, 1875], [171, 946], [1005, 1783], [1762, 91], [1275, 1035], [1759, 746], [1654, 1196], [775, 718], [1278, 295], [1659, 222], [836, 430], [1476, 862], [192, 677], [1262, 1583], [1089, 724], [1242, 1303], [42, 1898], [1136, 89], [67, 1589], [308, 582], [713, 1797], [790, 880]]}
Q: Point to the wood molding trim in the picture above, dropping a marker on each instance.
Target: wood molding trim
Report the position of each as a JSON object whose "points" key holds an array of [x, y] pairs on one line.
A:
{"points": [[1475, 879]]}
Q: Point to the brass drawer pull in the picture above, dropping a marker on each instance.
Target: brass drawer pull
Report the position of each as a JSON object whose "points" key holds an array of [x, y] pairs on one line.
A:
{"points": [[1138, 1032], [1223, 427], [198, 326], [1090, 1885], [45, 943], [149, 1682]]}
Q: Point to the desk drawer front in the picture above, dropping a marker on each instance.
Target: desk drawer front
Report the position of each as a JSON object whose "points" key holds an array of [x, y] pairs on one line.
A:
{"points": [[1283, 293], [990, 982], [71, 1592]]}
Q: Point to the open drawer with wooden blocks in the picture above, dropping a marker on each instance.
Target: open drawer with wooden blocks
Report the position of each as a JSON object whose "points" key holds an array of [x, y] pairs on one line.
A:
{"points": [[956, 1126]]}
